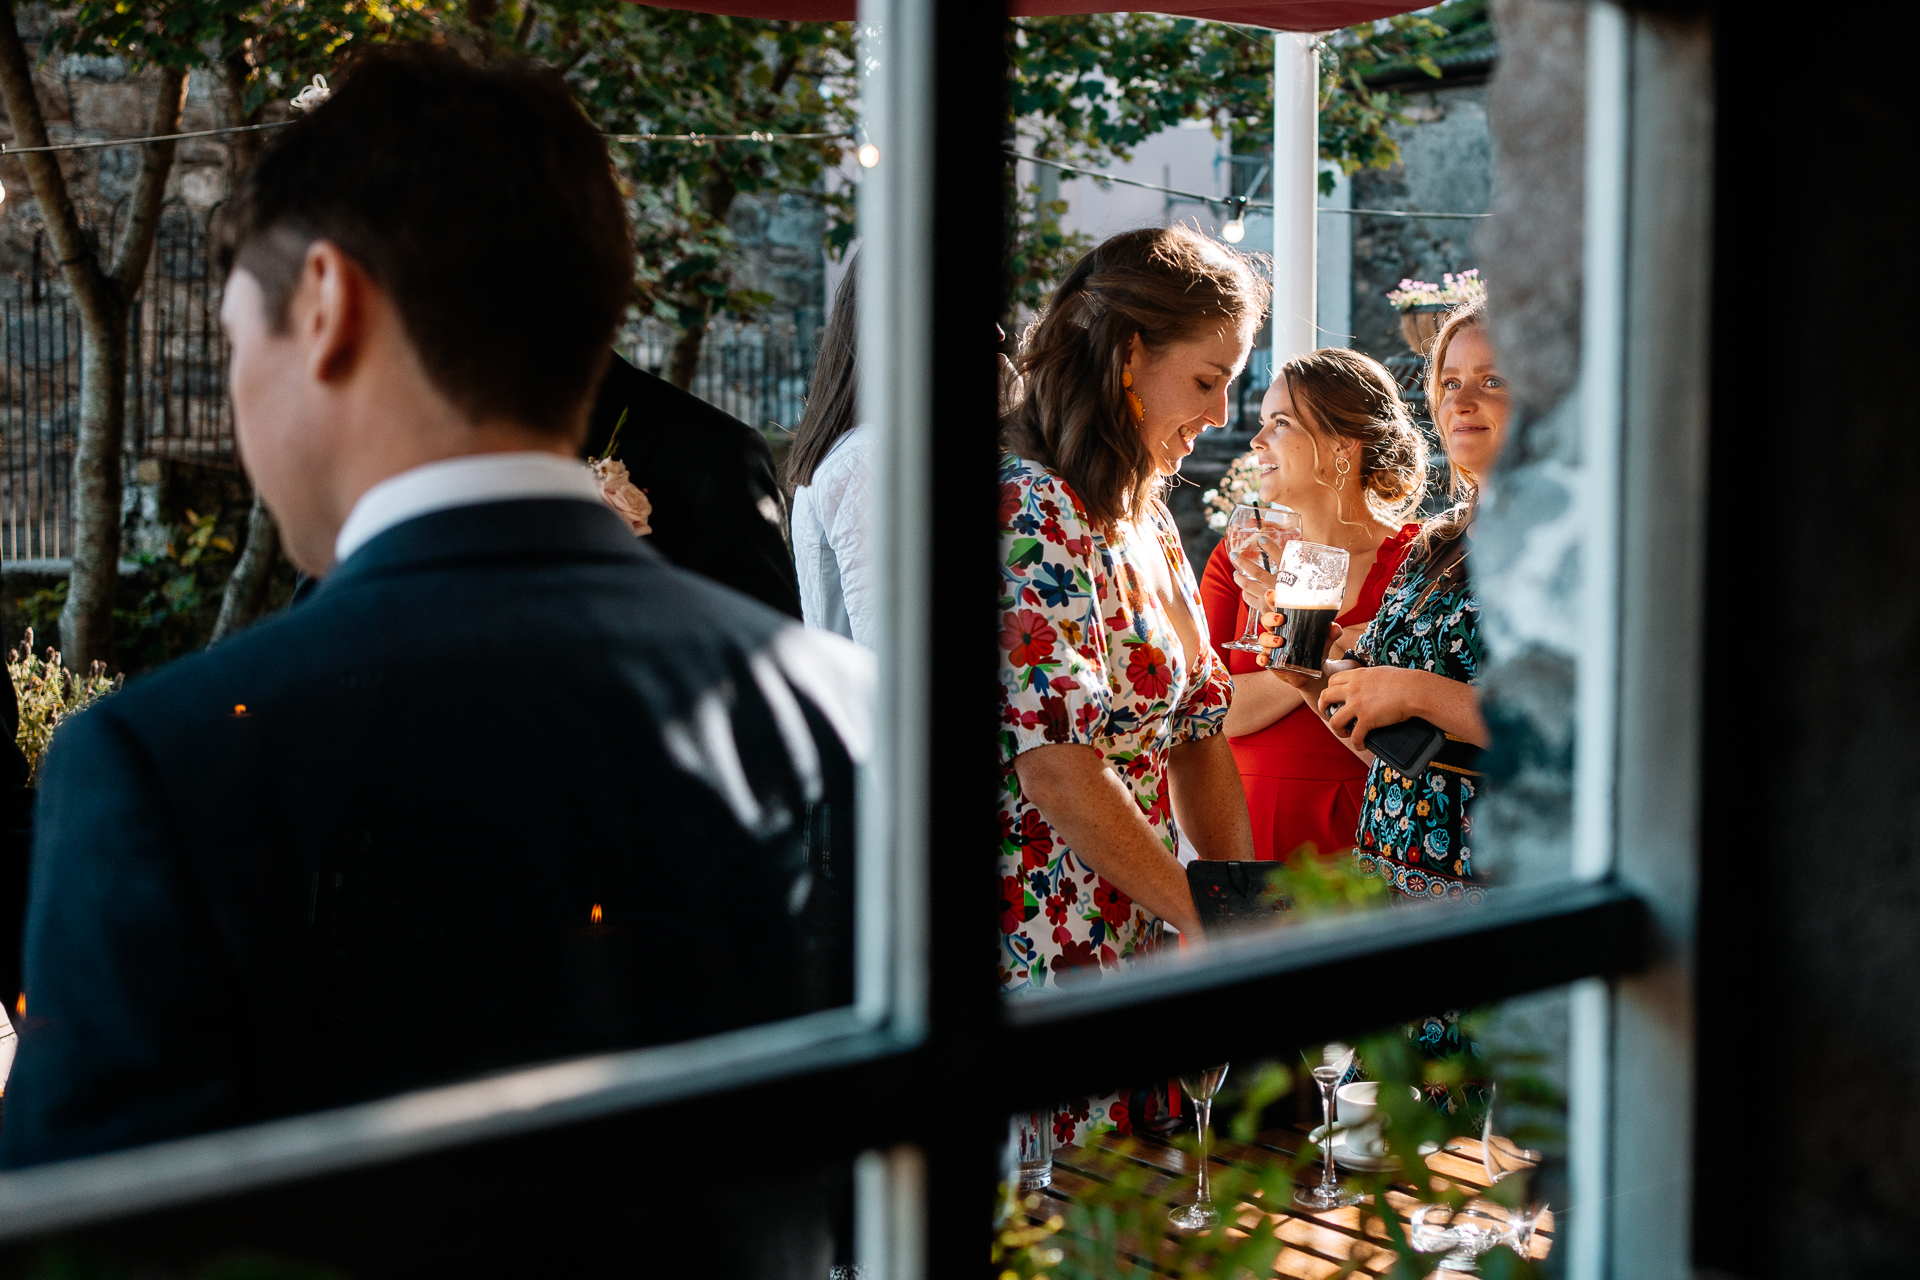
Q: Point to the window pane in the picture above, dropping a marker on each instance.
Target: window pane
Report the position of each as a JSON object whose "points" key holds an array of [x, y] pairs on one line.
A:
{"points": [[1478, 1099], [1440, 452], [584, 792]]}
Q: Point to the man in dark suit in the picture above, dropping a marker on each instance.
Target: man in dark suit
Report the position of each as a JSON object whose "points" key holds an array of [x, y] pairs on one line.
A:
{"points": [[717, 508], [509, 786]]}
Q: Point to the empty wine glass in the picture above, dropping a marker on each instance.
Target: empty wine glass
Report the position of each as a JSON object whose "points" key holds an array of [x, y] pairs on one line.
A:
{"points": [[1521, 1226], [1499, 1155], [1201, 1087], [1328, 1195], [1465, 1233], [1244, 528]]}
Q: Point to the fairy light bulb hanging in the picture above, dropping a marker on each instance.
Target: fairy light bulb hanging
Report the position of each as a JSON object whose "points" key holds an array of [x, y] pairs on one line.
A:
{"points": [[1236, 229], [867, 153]]}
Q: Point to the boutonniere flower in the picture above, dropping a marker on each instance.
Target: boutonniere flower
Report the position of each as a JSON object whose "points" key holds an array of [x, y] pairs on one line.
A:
{"points": [[617, 490]]}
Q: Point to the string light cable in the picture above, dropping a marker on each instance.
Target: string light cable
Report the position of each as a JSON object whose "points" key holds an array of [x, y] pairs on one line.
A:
{"points": [[1236, 205]]}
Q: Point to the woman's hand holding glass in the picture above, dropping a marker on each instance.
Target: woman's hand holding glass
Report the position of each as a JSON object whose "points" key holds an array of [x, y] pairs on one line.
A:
{"points": [[1252, 567]]}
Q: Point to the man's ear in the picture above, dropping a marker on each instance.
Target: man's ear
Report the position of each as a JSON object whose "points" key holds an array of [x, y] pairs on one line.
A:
{"points": [[330, 311]]}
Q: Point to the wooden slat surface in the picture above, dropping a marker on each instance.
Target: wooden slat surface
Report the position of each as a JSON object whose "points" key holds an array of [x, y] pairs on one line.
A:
{"points": [[1317, 1245]]}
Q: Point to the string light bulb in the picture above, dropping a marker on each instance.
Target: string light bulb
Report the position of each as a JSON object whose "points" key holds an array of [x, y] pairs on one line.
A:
{"points": [[867, 153], [1236, 229]]}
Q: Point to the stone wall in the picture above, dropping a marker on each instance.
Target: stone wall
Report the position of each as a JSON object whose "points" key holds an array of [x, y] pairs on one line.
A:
{"points": [[1446, 166], [97, 98]]}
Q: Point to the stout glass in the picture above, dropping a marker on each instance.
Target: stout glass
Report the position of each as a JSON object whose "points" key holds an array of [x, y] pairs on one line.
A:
{"points": [[1308, 589], [1244, 527]]}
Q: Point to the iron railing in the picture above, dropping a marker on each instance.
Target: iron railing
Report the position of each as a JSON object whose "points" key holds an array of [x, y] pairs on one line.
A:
{"points": [[176, 385], [177, 406], [755, 370]]}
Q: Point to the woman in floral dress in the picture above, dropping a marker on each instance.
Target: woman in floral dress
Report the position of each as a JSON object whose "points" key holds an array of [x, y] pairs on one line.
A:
{"points": [[1421, 654], [1112, 700]]}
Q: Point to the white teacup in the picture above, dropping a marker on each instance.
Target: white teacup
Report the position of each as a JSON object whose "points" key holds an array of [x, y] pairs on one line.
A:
{"points": [[1357, 1108]]}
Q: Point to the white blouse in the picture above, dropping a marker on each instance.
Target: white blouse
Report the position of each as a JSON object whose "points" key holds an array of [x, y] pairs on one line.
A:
{"points": [[832, 541]]}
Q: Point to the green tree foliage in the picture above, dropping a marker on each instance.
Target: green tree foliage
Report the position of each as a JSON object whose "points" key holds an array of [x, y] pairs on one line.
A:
{"points": [[1088, 89], [642, 70]]}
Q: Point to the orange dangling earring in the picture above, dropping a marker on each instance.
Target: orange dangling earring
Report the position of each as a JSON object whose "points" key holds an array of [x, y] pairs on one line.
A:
{"points": [[1133, 401]]}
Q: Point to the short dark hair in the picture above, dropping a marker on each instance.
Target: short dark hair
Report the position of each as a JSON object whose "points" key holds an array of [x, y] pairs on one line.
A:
{"points": [[481, 199]]}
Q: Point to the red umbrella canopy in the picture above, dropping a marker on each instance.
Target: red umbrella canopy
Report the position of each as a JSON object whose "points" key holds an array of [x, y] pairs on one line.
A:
{"points": [[1283, 15]]}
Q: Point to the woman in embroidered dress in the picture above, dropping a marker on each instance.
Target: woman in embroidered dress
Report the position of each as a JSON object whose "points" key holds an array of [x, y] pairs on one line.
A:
{"points": [[1421, 654], [1337, 445], [1112, 700]]}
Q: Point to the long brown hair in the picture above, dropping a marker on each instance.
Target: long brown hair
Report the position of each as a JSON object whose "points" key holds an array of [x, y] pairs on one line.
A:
{"points": [[1447, 531], [1165, 284], [1350, 396], [833, 398]]}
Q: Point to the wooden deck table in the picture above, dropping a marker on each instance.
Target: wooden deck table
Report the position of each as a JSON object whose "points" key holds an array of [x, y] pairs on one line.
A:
{"points": [[1317, 1245]]}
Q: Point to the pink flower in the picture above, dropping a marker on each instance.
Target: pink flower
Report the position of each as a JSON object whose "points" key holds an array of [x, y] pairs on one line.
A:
{"points": [[627, 502]]}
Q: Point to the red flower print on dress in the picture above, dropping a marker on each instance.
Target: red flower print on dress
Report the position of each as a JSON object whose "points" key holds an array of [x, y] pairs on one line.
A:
{"points": [[1057, 909], [1036, 840], [1147, 671], [1073, 954], [1009, 503], [1028, 637], [1114, 906], [1013, 904], [1052, 532]]}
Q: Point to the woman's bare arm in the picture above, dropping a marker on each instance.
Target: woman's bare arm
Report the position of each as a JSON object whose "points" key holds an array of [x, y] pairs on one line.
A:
{"points": [[1209, 804], [1085, 801], [1260, 698]]}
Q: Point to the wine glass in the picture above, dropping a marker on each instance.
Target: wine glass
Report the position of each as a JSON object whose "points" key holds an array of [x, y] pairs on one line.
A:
{"points": [[1468, 1232], [1201, 1087], [1501, 1156], [1244, 528], [1328, 1195]]}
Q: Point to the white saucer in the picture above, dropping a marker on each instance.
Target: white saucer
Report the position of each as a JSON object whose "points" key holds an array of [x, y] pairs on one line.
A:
{"points": [[1354, 1160]]}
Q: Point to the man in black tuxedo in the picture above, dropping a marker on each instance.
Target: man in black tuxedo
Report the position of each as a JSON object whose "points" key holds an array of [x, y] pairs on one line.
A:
{"points": [[717, 508], [509, 787]]}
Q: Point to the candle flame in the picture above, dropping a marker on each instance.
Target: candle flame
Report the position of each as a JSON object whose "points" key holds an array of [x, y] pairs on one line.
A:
{"points": [[21, 1004], [594, 918], [239, 708]]}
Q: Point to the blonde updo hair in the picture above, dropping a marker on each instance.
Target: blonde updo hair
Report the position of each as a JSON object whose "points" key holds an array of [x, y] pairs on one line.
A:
{"points": [[1350, 396]]}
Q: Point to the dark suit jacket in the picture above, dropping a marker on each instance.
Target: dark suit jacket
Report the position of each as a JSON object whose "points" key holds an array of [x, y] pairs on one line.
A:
{"points": [[486, 724], [717, 509]]}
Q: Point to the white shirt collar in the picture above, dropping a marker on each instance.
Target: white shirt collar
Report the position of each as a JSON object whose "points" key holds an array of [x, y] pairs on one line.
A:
{"points": [[461, 482]]}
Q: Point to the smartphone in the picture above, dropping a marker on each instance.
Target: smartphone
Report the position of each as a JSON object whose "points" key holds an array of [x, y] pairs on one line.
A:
{"points": [[1408, 747]]}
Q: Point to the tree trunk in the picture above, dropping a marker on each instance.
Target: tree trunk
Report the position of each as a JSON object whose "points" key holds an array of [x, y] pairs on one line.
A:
{"points": [[716, 196], [86, 622], [103, 297], [247, 584], [685, 360], [246, 587]]}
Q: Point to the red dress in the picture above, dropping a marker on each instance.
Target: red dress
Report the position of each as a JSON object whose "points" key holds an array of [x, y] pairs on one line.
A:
{"points": [[1303, 786]]}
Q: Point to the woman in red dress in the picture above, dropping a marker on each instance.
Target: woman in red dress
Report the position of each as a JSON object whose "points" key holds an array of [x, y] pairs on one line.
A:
{"points": [[1337, 445]]}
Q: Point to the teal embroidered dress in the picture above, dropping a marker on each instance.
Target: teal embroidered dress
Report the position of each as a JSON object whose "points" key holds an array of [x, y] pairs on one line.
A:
{"points": [[1417, 833]]}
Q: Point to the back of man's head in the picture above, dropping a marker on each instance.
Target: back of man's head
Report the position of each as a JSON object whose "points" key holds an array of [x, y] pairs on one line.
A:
{"points": [[484, 204]]}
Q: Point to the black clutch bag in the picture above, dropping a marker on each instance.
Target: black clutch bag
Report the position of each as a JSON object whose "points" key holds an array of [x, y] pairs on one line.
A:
{"points": [[1409, 746], [1237, 895]]}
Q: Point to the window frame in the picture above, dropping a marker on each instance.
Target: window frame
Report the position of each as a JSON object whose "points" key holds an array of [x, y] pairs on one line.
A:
{"points": [[928, 1022]]}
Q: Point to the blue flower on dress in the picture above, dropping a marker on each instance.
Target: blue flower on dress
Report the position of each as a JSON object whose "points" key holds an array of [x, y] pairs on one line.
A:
{"points": [[1055, 584]]}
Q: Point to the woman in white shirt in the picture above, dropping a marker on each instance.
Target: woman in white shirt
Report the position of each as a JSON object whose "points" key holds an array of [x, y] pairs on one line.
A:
{"points": [[829, 473]]}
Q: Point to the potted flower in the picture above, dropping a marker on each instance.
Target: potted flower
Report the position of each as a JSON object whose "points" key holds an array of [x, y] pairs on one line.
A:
{"points": [[1423, 305]]}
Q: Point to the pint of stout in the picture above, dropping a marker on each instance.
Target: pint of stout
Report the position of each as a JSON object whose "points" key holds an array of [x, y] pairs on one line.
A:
{"points": [[1308, 589]]}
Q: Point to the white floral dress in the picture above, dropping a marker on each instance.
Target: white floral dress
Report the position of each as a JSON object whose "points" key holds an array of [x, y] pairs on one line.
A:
{"points": [[1088, 655]]}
